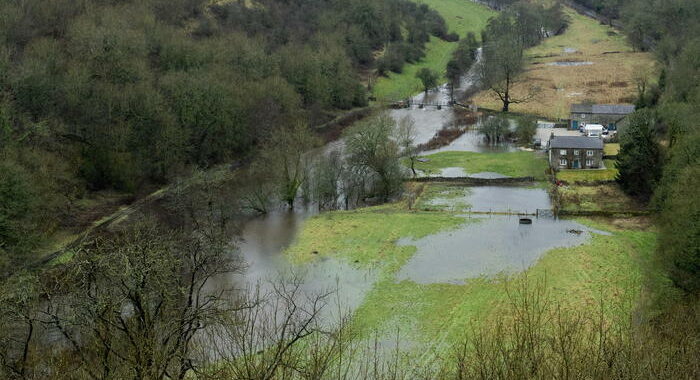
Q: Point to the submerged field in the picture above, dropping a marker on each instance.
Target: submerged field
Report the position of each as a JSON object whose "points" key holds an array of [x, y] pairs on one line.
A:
{"points": [[430, 294], [590, 62], [461, 17]]}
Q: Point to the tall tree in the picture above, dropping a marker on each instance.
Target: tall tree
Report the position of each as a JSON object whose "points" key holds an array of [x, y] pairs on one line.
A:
{"points": [[286, 156], [503, 61], [428, 78], [639, 160], [373, 152]]}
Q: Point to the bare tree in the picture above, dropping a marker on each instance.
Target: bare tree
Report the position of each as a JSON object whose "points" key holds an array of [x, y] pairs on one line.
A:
{"points": [[406, 137], [371, 148], [503, 61], [19, 304], [281, 334], [285, 157]]}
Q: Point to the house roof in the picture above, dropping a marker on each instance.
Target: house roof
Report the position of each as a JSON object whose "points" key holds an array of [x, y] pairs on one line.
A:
{"points": [[613, 109], [575, 142]]}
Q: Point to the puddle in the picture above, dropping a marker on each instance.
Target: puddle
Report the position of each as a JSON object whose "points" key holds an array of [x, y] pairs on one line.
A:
{"points": [[487, 247], [452, 172], [569, 50], [565, 63], [488, 175]]}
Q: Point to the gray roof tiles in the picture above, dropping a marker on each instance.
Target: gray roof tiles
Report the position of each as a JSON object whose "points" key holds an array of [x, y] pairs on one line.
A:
{"points": [[613, 109], [575, 142]]}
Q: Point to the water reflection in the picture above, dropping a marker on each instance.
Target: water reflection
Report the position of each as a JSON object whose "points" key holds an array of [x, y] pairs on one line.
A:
{"points": [[263, 240], [487, 246]]}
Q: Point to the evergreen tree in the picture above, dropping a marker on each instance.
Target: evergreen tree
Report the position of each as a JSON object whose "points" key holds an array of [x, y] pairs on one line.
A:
{"points": [[639, 160]]}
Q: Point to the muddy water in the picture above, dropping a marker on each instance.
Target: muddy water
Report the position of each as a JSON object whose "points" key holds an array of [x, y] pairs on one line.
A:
{"points": [[498, 199], [263, 240], [430, 120], [487, 246], [507, 199], [472, 141]]}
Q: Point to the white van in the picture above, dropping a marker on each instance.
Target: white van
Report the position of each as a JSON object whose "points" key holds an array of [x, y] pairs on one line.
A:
{"points": [[593, 130]]}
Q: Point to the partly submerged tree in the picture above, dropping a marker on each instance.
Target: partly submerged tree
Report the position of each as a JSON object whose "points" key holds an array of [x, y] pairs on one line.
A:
{"points": [[495, 129], [373, 152], [285, 158], [406, 138]]}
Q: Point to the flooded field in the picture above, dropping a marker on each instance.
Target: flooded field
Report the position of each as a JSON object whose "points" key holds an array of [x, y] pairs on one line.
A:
{"points": [[487, 246], [262, 243]]}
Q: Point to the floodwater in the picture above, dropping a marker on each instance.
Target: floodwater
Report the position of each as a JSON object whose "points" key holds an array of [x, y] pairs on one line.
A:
{"points": [[567, 63], [263, 240], [487, 246], [499, 199], [472, 141], [430, 120]]}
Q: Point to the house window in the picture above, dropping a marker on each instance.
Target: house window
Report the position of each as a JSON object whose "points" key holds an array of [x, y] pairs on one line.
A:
{"points": [[589, 153], [562, 162], [589, 162], [583, 116], [576, 153], [562, 152]]}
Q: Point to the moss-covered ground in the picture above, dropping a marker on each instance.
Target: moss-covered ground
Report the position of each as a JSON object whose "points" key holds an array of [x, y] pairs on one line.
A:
{"points": [[461, 17], [512, 164]]}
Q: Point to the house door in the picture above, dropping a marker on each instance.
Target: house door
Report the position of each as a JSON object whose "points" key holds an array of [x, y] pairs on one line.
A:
{"points": [[574, 124], [577, 164]]}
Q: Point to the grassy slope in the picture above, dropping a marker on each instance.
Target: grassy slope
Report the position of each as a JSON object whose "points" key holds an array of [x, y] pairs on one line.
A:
{"points": [[515, 164], [462, 16], [610, 79], [607, 268]]}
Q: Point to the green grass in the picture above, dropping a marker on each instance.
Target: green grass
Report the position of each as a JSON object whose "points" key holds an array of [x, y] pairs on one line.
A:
{"points": [[462, 16], [588, 175], [364, 237], [611, 149], [435, 315], [513, 164]]}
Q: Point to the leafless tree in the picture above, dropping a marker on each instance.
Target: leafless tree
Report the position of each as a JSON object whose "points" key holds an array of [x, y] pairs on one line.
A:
{"points": [[406, 138]]}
